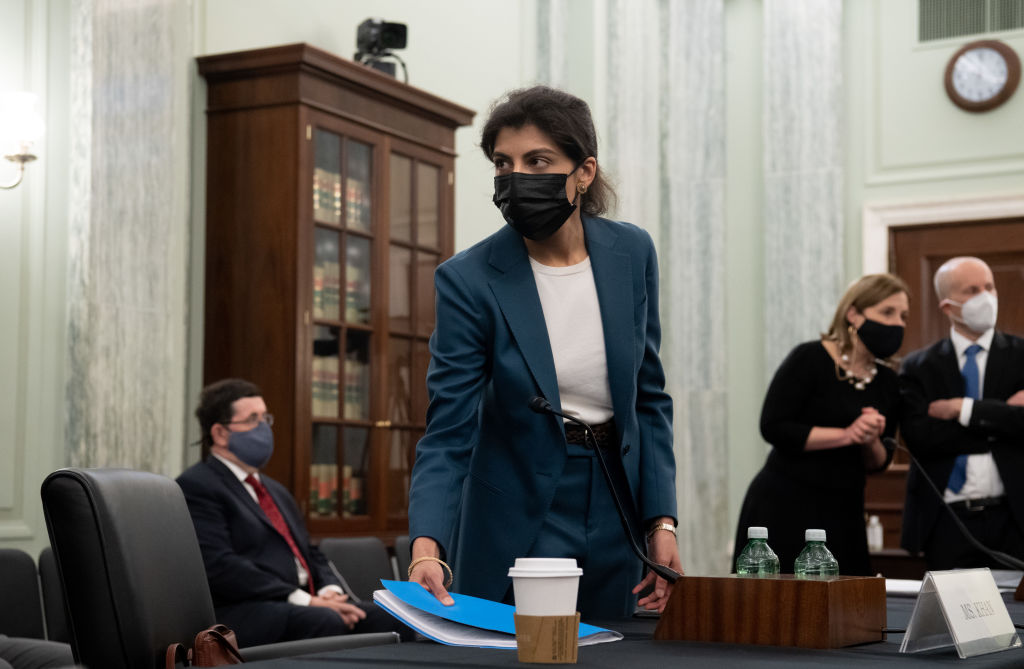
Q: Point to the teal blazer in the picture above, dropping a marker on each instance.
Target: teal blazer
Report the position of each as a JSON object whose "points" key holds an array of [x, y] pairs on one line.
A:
{"points": [[487, 467]]}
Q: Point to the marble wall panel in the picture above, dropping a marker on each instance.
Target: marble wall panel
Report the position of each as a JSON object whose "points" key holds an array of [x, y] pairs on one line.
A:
{"points": [[803, 171], [127, 285], [663, 143]]}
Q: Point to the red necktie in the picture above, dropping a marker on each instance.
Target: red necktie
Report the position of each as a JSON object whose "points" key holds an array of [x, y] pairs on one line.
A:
{"points": [[277, 520]]}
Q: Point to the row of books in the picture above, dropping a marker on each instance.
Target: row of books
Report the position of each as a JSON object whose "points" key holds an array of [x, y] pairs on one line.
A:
{"points": [[326, 498], [357, 308], [327, 200], [355, 392], [325, 386], [357, 204], [357, 280], [326, 196], [327, 292], [356, 385]]}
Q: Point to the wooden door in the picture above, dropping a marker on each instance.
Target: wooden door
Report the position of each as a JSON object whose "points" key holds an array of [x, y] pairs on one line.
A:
{"points": [[915, 252]]}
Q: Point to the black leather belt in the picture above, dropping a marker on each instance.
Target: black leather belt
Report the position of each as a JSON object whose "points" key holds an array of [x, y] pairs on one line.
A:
{"points": [[978, 504], [605, 434]]}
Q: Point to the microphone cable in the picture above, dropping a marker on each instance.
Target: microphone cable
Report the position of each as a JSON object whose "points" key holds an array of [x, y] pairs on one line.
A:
{"points": [[541, 405]]}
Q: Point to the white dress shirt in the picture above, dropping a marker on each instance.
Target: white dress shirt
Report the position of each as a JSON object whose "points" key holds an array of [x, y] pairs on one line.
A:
{"points": [[983, 478]]}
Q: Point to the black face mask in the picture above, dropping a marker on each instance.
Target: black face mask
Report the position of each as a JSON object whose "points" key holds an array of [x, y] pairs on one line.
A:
{"points": [[882, 340], [533, 204]]}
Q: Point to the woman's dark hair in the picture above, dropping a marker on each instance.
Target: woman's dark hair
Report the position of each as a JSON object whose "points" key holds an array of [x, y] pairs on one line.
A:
{"points": [[215, 402], [566, 120]]}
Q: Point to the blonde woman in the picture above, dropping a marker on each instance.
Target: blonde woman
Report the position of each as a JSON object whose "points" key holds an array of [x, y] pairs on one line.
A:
{"points": [[829, 406]]}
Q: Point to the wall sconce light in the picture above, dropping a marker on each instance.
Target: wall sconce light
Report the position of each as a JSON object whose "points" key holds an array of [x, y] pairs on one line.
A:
{"points": [[20, 127]]}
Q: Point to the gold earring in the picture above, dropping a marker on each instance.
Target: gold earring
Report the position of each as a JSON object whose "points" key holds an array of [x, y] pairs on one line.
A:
{"points": [[581, 188]]}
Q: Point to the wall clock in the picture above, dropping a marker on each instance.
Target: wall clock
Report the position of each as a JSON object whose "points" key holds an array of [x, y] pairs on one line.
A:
{"points": [[982, 75]]}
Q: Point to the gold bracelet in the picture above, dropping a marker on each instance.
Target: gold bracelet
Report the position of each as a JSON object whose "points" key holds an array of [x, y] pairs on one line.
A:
{"points": [[451, 576], [661, 526]]}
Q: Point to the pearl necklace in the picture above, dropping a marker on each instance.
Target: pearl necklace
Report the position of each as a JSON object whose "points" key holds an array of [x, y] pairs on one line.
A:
{"points": [[858, 382]]}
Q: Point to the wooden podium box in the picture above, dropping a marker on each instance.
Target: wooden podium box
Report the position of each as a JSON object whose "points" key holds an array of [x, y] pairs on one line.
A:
{"points": [[775, 611]]}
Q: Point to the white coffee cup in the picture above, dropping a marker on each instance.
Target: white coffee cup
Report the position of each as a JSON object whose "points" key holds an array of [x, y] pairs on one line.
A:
{"points": [[545, 586]]}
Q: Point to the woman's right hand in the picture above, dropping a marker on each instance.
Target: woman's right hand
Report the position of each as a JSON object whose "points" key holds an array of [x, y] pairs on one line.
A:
{"points": [[429, 573], [868, 426]]}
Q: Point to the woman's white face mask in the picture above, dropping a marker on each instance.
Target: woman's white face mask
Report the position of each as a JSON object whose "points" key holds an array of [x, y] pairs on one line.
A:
{"points": [[978, 313]]}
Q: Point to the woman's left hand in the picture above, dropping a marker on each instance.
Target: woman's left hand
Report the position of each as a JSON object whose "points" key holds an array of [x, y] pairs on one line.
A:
{"points": [[662, 549]]}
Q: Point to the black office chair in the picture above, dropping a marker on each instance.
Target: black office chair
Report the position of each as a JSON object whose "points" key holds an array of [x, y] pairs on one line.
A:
{"points": [[53, 598], [403, 556], [133, 576], [361, 563], [21, 613]]}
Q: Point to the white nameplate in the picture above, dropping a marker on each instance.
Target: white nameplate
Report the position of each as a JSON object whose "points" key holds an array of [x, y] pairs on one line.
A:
{"points": [[963, 608]]}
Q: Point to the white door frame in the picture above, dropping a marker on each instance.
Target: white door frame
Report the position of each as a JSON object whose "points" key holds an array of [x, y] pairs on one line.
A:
{"points": [[878, 218]]}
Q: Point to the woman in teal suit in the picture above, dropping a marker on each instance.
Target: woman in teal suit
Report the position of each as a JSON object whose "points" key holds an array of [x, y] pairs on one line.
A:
{"points": [[560, 304]]}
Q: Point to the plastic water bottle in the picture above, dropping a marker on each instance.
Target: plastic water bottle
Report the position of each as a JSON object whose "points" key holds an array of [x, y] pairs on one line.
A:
{"points": [[757, 559], [875, 534], [815, 560]]}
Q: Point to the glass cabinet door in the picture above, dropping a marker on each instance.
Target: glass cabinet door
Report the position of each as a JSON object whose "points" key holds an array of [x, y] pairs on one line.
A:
{"points": [[340, 481], [415, 215], [379, 212]]}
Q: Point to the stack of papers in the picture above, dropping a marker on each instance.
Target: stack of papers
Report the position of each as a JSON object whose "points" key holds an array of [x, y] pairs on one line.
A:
{"points": [[471, 621]]}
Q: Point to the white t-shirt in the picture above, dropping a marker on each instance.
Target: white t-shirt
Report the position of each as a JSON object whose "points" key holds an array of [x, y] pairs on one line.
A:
{"points": [[568, 297]]}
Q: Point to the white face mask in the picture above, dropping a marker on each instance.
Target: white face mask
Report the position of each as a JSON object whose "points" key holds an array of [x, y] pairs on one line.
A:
{"points": [[978, 313]]}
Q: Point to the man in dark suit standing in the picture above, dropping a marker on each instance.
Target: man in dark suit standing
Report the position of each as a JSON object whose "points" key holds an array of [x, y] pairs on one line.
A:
{"points": [[964, 421], [268, 583]]}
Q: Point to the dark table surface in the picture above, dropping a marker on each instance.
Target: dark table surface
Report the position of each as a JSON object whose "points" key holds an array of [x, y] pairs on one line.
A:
{"points": [[638, 649]]}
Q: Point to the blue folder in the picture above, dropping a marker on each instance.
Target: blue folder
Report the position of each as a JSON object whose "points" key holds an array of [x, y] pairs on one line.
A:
{"points": [[467, 610]]}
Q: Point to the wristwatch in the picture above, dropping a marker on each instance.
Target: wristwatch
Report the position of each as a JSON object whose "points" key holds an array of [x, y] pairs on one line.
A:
{"points": [[661, 526]]}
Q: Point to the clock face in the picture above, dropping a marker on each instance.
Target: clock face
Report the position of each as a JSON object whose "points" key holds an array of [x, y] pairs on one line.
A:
{"points": [[980, 74]]}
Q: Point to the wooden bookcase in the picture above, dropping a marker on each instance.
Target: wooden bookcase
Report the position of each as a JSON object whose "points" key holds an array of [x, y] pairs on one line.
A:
{"points": [[329, 203]]}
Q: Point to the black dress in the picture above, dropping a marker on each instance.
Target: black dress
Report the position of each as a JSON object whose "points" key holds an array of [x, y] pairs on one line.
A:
{"points": [[797, 489]]}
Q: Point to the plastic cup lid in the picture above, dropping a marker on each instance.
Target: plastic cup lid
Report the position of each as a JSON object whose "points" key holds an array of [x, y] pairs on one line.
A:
{"points": [[544, 567], [814, 535], [757, 532]]}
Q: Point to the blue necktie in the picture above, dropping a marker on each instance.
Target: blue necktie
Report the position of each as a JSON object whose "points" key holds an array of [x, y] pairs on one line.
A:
{"points": [[970, 373]]}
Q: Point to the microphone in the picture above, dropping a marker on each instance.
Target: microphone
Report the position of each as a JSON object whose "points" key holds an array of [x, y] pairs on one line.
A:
{"points": [[540, 405], [999, 556]]}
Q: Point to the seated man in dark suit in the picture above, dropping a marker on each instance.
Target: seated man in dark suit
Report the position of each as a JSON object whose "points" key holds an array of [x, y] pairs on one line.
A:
{"points": [[964, 421], [268, 583]]}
